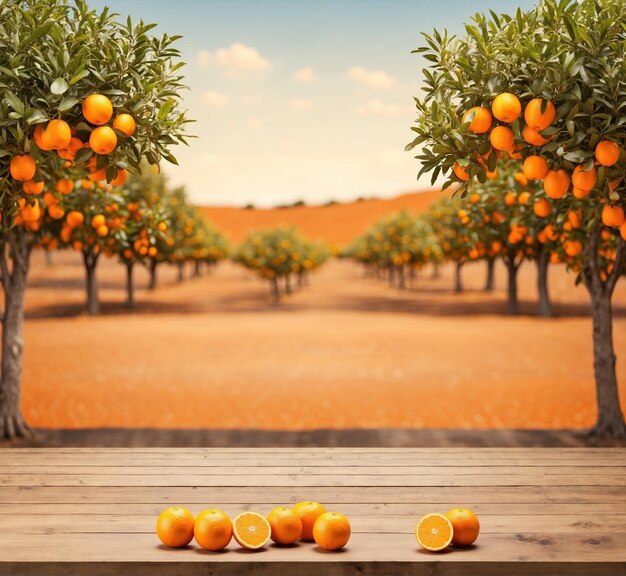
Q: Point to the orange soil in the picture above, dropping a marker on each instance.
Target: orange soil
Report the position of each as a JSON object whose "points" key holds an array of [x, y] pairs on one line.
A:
{"points": [[345, 352], [336, 224]]}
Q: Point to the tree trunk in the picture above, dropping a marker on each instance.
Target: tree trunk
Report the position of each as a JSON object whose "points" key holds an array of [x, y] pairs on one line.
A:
{"points": [[300, 279], [90, 260], [401, 278], [458, 281], [130, 288], [197, 270], [181, 271], [512, 306], [543, 262], [288, 289], [610, 420], [274, 290], [153, 275], [391, 275], [436, 271], [14, 283], [489, 283]]}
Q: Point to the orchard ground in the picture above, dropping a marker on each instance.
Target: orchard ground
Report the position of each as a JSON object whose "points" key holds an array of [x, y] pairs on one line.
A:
{"points": [[345, 352]]}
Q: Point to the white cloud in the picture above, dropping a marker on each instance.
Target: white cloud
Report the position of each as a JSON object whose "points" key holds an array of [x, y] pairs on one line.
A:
{"points": [[215, 99], [300, 104], [375, 79], [304, 75], [235, 59], [375, 107], [254, 123]]}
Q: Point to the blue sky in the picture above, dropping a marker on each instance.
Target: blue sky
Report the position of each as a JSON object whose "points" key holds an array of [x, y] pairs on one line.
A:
{"points": [[300, 100]]}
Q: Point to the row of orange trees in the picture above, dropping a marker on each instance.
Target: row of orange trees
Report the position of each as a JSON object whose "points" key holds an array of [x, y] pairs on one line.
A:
{"points": [[84, 98], [140, 222], [280, 255], [544, 88]]}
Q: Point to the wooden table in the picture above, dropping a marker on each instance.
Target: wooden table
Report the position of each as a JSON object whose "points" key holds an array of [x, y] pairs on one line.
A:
{"points": [[93, 511]]}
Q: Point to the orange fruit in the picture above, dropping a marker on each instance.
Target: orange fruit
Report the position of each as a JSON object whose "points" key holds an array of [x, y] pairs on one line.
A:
{"points": [[175, 527], [64, 186], [612, 216], [575, 218], [120, 178], [532, 136], [56, 135], [584, 179], [506, 107], [30, 211], [515, 152], [125, 123], [556, 183], [521, 179], [98, 220], [152, 251], [542, 208], [103, 140], [537, 119], [308, 513], [502, 138], [251, 530], [434, 532], [38, 138], [97, 109], [33, 187], [69, 152], [162, 226], [74, 218], [22, 168], [102, 230], [622, 230], [535, 167], [212, 529], [474, 198], [285, 524], [481, 121], [607, 153], [56, 212], [580, 194], [510, 198], [572, 247], [524, 198], [331, 531], [460, 172], [465, 526]]}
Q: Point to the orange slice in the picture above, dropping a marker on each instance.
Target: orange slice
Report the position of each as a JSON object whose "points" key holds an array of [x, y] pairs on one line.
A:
{"points": [[251, 530], [434, 532]]}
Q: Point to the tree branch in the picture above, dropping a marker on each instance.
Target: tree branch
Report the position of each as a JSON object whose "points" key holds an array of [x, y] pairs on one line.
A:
{"points": [[618, 266]]}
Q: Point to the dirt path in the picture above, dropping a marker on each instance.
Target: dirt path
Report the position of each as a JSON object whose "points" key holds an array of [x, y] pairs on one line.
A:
{"points": [[347, 352]]}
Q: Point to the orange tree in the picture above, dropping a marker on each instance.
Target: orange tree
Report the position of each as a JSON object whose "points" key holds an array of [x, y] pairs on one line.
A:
{"points": [[547, 86], [80, 87], [399, 244], [279, 253], [452, 234]]}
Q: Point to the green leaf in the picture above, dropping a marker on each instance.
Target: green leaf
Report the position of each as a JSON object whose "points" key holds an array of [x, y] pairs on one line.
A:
{"points": [[59, 86], [14, 102], [38, 32], [67, 103], [79, 76]]}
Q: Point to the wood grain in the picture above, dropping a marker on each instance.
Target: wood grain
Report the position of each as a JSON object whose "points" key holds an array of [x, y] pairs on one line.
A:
{"points": [[92, 512]]}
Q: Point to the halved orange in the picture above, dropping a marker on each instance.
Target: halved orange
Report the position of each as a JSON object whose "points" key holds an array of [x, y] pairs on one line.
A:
{"points": [[434, 532], [251, 530]]}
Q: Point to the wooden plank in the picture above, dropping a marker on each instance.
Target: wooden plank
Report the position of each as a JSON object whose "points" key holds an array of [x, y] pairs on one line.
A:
{"points": [[615, 495], [310, 470], [142, 548], [307, 480], [588, 524], [538, 510]]}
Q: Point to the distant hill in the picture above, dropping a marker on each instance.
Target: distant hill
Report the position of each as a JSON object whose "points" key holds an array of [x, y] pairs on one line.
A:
{"points": [[337, 224]]}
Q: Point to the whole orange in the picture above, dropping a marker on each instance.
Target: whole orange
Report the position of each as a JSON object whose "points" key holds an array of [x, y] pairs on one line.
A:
{"points": [[285, 524], [175, 527], [331, 531], [213, 529], [308, 512], [465, 524]]}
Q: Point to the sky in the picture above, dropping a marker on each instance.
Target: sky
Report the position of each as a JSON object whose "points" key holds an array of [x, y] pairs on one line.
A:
{"points": [[297, 100]]}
